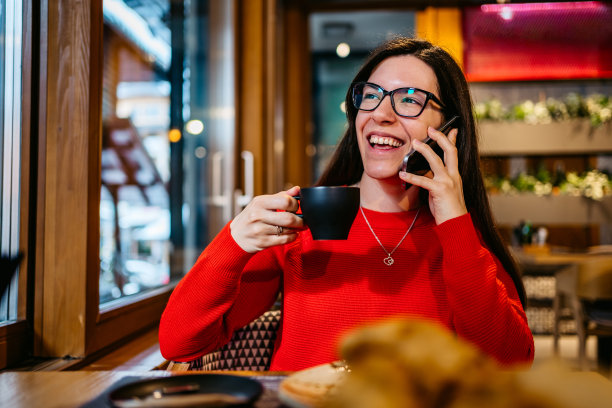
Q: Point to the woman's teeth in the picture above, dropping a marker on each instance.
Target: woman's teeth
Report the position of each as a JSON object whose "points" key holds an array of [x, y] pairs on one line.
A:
{"points": [[384, 141]]}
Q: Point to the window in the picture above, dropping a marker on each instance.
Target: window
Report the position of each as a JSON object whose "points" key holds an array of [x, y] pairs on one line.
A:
{"points": [[10, 144], [134, 200], [90, 154]]}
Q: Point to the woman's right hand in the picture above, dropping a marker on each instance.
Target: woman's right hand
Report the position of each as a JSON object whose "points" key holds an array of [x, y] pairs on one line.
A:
{"points": [[268, 220]]}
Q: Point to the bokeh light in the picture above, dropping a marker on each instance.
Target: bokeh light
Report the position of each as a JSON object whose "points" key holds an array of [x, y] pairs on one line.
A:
{"points": [[194, 126], [174, 135], [343, 50]]}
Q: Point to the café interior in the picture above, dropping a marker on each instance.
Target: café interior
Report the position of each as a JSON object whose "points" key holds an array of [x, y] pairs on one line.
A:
{"points": [[133, 131]]}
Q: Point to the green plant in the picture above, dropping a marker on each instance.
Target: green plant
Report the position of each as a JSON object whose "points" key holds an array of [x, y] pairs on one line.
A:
{"points": [[596, 107], [592, 184]]}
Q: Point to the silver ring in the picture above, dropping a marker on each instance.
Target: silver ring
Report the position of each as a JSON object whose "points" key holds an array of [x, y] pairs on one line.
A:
{"points": [[279, 230]]}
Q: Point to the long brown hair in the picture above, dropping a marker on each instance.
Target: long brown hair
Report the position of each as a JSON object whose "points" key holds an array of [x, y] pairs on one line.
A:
{"points": [[346, 167]]}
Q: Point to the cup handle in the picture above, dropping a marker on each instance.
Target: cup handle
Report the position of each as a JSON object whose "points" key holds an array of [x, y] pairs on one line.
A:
{"points": [[298, 197]]}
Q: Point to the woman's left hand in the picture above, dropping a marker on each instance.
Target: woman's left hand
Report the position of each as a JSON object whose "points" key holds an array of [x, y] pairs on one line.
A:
{"points": [[445, 186]]}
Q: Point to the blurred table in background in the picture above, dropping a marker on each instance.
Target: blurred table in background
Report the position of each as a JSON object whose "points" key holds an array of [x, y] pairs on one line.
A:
{"points": [[550, 275]]}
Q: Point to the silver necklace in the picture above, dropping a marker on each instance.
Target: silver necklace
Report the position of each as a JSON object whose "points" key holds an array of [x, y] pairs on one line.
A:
{"points": [[389, 259]]}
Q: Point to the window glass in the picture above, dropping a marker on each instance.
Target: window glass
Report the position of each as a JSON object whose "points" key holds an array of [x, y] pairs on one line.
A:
{"points": [[164, 123], [134, 202], [10, 148]]}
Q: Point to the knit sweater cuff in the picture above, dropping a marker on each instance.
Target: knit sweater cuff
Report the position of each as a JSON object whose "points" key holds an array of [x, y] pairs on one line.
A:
{"points": [[459, 239]]}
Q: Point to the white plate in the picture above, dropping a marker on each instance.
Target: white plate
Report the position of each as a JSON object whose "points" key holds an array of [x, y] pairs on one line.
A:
{"points": [[307, 388]]}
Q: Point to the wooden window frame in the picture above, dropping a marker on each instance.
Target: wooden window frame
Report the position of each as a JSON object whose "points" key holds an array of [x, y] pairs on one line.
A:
{"points": [[67, 317]]}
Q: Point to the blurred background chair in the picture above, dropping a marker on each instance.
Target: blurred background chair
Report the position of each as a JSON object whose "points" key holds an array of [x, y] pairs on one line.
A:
{"points": [[586, 288], [250, 349]]}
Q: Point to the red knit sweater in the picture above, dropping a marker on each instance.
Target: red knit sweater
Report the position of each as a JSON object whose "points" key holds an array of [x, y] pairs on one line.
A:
{"points": [[442, 273]]}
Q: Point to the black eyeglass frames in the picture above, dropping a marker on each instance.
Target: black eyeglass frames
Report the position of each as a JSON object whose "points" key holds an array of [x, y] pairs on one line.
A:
{"points": [[407, 102]]}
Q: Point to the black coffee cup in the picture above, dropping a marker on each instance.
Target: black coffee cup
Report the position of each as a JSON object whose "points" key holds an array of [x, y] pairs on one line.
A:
{"points": [[329, 211]]}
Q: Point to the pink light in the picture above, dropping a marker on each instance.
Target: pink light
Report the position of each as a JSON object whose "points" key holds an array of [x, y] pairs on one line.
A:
{"points": [[578, 5]]}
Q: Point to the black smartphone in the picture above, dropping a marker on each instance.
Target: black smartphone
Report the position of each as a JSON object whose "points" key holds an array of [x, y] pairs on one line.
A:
{"points": [[415, 162]]}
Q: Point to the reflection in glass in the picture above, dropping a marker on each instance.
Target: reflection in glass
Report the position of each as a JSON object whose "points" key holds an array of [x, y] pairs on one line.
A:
{"points": [[134, 201]]}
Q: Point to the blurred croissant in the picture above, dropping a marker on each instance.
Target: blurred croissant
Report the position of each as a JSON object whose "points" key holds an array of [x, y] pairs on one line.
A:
{"points": [[415, 363]]}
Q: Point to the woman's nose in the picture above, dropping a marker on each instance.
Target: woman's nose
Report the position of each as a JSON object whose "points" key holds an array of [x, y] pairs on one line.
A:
{"points": [[384, 111]]}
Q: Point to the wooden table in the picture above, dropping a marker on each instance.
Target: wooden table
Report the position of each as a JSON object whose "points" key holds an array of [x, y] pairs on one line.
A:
{"points": [[70, 389], [63, 389], [553, 259]]}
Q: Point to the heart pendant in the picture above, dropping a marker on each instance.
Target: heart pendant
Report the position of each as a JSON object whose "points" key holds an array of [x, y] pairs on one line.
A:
{"points": [[388, 261]]}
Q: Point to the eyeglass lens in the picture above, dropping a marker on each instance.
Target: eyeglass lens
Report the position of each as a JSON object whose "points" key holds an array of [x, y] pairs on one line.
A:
{"points": [[406, 101]]}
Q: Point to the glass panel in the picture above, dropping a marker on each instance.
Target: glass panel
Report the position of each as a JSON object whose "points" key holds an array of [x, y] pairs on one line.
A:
{"points": [[209, 147], [10, 150], [134, 204], [158, 210]]}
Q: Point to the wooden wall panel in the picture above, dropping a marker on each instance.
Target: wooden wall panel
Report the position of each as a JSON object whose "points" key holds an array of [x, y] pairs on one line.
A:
{"points": [[274, 93], [251, 91], [259, 97], [297, 96]]}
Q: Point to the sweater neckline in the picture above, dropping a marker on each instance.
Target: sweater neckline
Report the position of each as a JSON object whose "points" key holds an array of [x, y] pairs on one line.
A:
{"points": [[393, 219]]}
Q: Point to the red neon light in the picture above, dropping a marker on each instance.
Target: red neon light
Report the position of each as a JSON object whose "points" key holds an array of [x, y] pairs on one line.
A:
{"points": [[538, 41], [578, 5]]}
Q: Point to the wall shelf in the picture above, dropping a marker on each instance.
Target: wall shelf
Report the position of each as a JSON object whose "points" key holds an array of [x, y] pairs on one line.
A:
{"points": [[571, 137], [548, 210]]}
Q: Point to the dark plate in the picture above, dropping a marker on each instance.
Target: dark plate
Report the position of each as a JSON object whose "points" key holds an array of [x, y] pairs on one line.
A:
{"points": [[204, 390]]}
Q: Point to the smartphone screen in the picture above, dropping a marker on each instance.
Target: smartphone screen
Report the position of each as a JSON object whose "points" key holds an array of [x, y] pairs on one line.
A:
{"points": [[414, 162]]}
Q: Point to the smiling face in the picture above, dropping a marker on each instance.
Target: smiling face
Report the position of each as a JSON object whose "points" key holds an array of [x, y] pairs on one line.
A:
{"points": [[383, 136]]}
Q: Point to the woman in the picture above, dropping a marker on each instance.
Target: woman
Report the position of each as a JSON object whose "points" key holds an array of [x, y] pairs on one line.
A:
{"points": [[430, 251]]}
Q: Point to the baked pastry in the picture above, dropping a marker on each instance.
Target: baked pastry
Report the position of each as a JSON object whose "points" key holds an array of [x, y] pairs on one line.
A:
{"points": [[414, 363]]}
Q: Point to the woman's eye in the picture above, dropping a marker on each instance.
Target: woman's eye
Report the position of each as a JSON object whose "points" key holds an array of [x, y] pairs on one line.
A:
{"points": [[370, 96], [409, 100]]}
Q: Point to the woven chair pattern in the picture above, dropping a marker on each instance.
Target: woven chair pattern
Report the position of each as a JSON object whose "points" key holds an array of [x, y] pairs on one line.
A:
{"points": [[249, 349]]}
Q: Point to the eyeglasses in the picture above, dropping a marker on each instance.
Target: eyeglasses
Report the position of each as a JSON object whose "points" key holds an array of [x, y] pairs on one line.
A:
{"points": [[406, 102]]}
